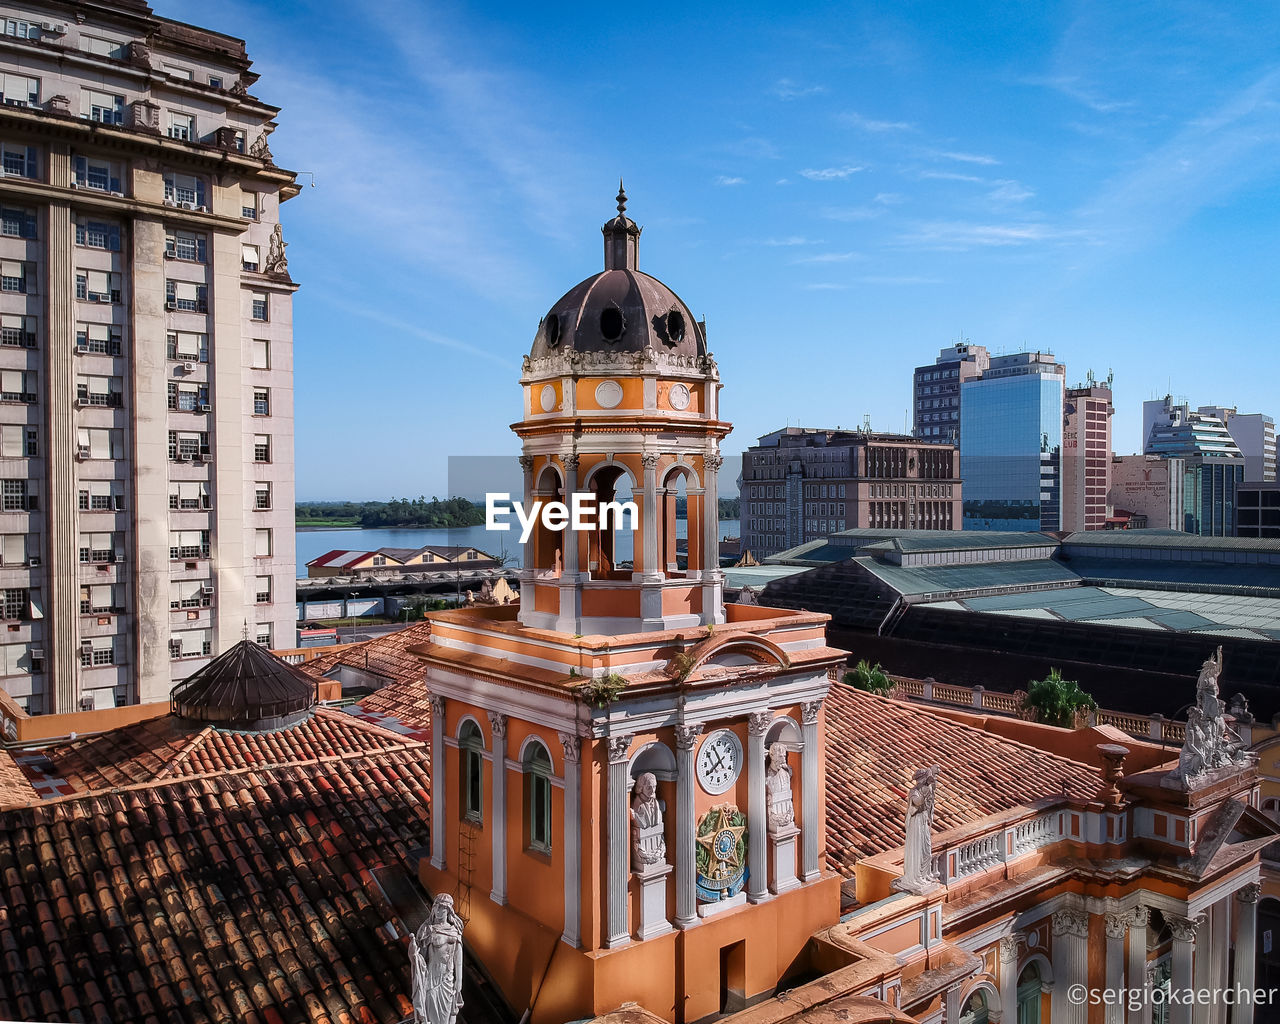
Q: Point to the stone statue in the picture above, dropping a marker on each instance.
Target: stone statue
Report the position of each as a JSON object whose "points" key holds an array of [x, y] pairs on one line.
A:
{"points": [[1209, 673], [648, 842], [259, 149], [917, 862], [1209, 742], [277, 262], [435, 954], [778, 788]]}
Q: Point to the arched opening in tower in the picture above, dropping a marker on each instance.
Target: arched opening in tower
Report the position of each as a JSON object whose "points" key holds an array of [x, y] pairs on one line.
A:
{"points": [[607, 557], [673, 496], [548, 544]]}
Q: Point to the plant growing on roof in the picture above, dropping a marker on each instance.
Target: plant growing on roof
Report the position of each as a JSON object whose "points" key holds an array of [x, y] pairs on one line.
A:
{"points": [[680, 665], [602, 690], [1057, 701], [871, 678]]}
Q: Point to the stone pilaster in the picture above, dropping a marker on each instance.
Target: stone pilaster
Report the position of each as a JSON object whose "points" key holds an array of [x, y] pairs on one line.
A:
{"points": [[1184, 930], [1244, 949], [1136, 976], [527, 556], [498, 814], [757, 865], [571, 746], [1117, 926], [686, 840], [1010, 948], [1070, 964], [811, 853], [619, 843], [712, 576], [437, 782]]}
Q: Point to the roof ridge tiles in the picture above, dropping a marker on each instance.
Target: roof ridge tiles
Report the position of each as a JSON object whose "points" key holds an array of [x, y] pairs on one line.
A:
{"points": [[182, 755]]}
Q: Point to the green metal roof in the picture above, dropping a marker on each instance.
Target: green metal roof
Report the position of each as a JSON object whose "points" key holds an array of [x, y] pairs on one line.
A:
{"points": [[757, 575], [959, 579], [1168, 539], [962, 540]]}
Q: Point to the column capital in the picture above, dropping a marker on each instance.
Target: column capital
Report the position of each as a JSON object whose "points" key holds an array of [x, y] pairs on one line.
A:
{"points": [[498, 725], [572, 746], [618, 747], [570, 462], [687, 734], [649, 460], [809, 712], [1249, 893], [1118, 924], [526, 463], [758, 722], [1184, 928], [1011, 947], [1141, 916], [713, 460], [1069, 921], [437, 707]]}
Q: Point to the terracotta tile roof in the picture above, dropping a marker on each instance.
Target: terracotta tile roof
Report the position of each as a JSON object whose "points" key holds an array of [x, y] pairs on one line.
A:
{"points": [[339, 558], [247, 897], [401, 708], [386, 655], [173, 748], [15, 787], [874, 746]]}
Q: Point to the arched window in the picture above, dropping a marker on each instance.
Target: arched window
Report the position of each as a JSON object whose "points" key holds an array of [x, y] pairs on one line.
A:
{"points": [[975, 1010], [470, 746], [537, 787], [1029, 989]]}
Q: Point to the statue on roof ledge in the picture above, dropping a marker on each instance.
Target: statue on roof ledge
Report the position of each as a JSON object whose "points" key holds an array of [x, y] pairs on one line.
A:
{"points": [[1210, 743], [435, 954], [918, 875]]}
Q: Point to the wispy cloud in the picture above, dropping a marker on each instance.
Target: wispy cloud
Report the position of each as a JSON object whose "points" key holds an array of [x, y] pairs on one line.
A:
{"points": [[949, 176], [792, 240], [830, 257], [830, 173], [751, 147], [825, 286], [726, 180], [889, 198], [868, 124], [787, 89], [852, 213], [906, 279], [960, 235], [1008, 191], [1073, 87], [966, 158]]}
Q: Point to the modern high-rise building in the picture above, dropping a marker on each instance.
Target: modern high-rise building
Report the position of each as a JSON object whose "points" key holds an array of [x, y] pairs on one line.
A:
{"points": [[1171, 428], [146, 354], [1011, 444], [800, 484], [1086, 456], [935, 390], [1255, 434], [1213, 464]]}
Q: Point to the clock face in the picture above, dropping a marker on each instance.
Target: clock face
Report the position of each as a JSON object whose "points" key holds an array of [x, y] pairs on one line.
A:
{"points": [[719, 761]]}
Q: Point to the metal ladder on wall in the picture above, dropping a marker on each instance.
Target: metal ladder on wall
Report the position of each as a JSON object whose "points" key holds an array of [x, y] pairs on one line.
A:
{"points": [[466, 864]]}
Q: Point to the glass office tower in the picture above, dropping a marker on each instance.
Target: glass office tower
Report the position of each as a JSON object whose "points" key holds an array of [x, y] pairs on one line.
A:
{"points": [[1011, 444]]}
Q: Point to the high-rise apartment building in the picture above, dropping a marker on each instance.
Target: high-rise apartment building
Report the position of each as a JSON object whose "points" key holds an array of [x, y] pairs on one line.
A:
{"points": [[1011, 444], [1213, 464], [1255, 434], [1086, 456], [145, 355], [801, 484], [935, 390]]}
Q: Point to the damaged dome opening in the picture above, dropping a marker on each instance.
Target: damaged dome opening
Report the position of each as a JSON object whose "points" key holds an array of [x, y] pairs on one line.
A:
{"points": [[553, 330], [612, 324]]}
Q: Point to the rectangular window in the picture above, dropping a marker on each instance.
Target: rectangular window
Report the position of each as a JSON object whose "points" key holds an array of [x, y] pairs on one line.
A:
{"points": [[188, 445], [263, 634], [185, 245], [18, 385], [173, 71], [540, 812], [101, 495], [102, 47], [101, 598], [190, 643], [18, 276], [14, 495], [13, 548], [188, 544], [19, 90], [262, 401], [99, 548], [190, 594], [21, 29], [96, 173], [17, 222], [182, 126], [100, 339], [104, 107], [184, 190], [188, 347], [18, 161], [186, 296], [106, 391], [215, 81], [18, 441], [189, 495], [97, 286], [17, 603], [262, 543], [98, 650], [259, 308], [17, 331], [261, 447], [249, 258], [192, 397], [260, 354], [263, 590], [95, 234], [262, 496]]}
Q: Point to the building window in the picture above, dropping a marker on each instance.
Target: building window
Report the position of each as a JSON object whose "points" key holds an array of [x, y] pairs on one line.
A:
{"points": [[97, 286], [975, 1009], [263, 635], [17, 331], [19, 161], [98, 650], [182, 126], [264, 590], [185, 191], [105, 391], [18, 386], [173, 71], [190, 643], [186, 296], [18, 441], [1029, 989], [21, 29], [99, 339], [99, 443], [17, 222], [189, 397], [261, 447], [188, 346], [99, 548], [249, 212], [17, 603], [94, 234], [471, 751], [259, 307], [262, 496], [104, 107], [262, 401], [190, 594], [102, 175], [14, 495], [19, 91], [249, 259], [189, 495], [262, 543], [17, 276], [260, 354], [188, 544], [188, 445], [185, 245], [102, 47], [537, 784], [13, 548], [99, 599], [215, 82]]}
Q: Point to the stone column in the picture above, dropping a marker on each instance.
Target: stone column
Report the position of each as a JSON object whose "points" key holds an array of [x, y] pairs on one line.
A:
{"points": [[757, 866], [649, 567], [810, 863], [619, 845], [1184, 947], [1136, 977], [572, 839], [570, 561], [712, 577], [498, 814], [1117, 925], [1010, 946], [527, 555], [686, 840], [1070, 964], [437, 782], [570, 620], [1245, 948]]}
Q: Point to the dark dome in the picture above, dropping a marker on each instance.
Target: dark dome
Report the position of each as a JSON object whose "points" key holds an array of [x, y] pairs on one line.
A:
{"points": [[246, 688], [619, 311]]}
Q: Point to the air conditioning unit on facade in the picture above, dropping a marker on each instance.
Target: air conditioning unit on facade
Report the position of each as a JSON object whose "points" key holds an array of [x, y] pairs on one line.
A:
{"points": [[184, 456], [207, 588], [171, 304], [82, 452], [34, 561], [187, 206], [82, 347], [206, 407], [188, 367], [207, 457]]}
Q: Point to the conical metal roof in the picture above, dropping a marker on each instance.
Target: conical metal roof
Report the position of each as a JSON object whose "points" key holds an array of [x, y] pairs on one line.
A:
{"points": [[246, 688]]}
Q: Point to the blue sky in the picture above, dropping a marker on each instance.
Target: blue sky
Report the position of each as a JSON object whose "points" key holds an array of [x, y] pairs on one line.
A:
{"points": [[841, 190]]}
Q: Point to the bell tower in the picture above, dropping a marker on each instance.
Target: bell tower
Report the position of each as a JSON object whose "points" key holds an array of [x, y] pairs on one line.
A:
{"points": [[627, 775]]}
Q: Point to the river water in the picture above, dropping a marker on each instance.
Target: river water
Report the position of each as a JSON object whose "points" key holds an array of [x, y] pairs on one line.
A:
{"points": [[313, 542]]}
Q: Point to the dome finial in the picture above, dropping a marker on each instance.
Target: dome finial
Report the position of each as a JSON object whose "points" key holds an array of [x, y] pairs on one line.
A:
{"points": [[622, 199]]}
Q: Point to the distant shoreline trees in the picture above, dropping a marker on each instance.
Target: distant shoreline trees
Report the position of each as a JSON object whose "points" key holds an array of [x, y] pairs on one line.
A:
{"points": [[436, 514]]}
